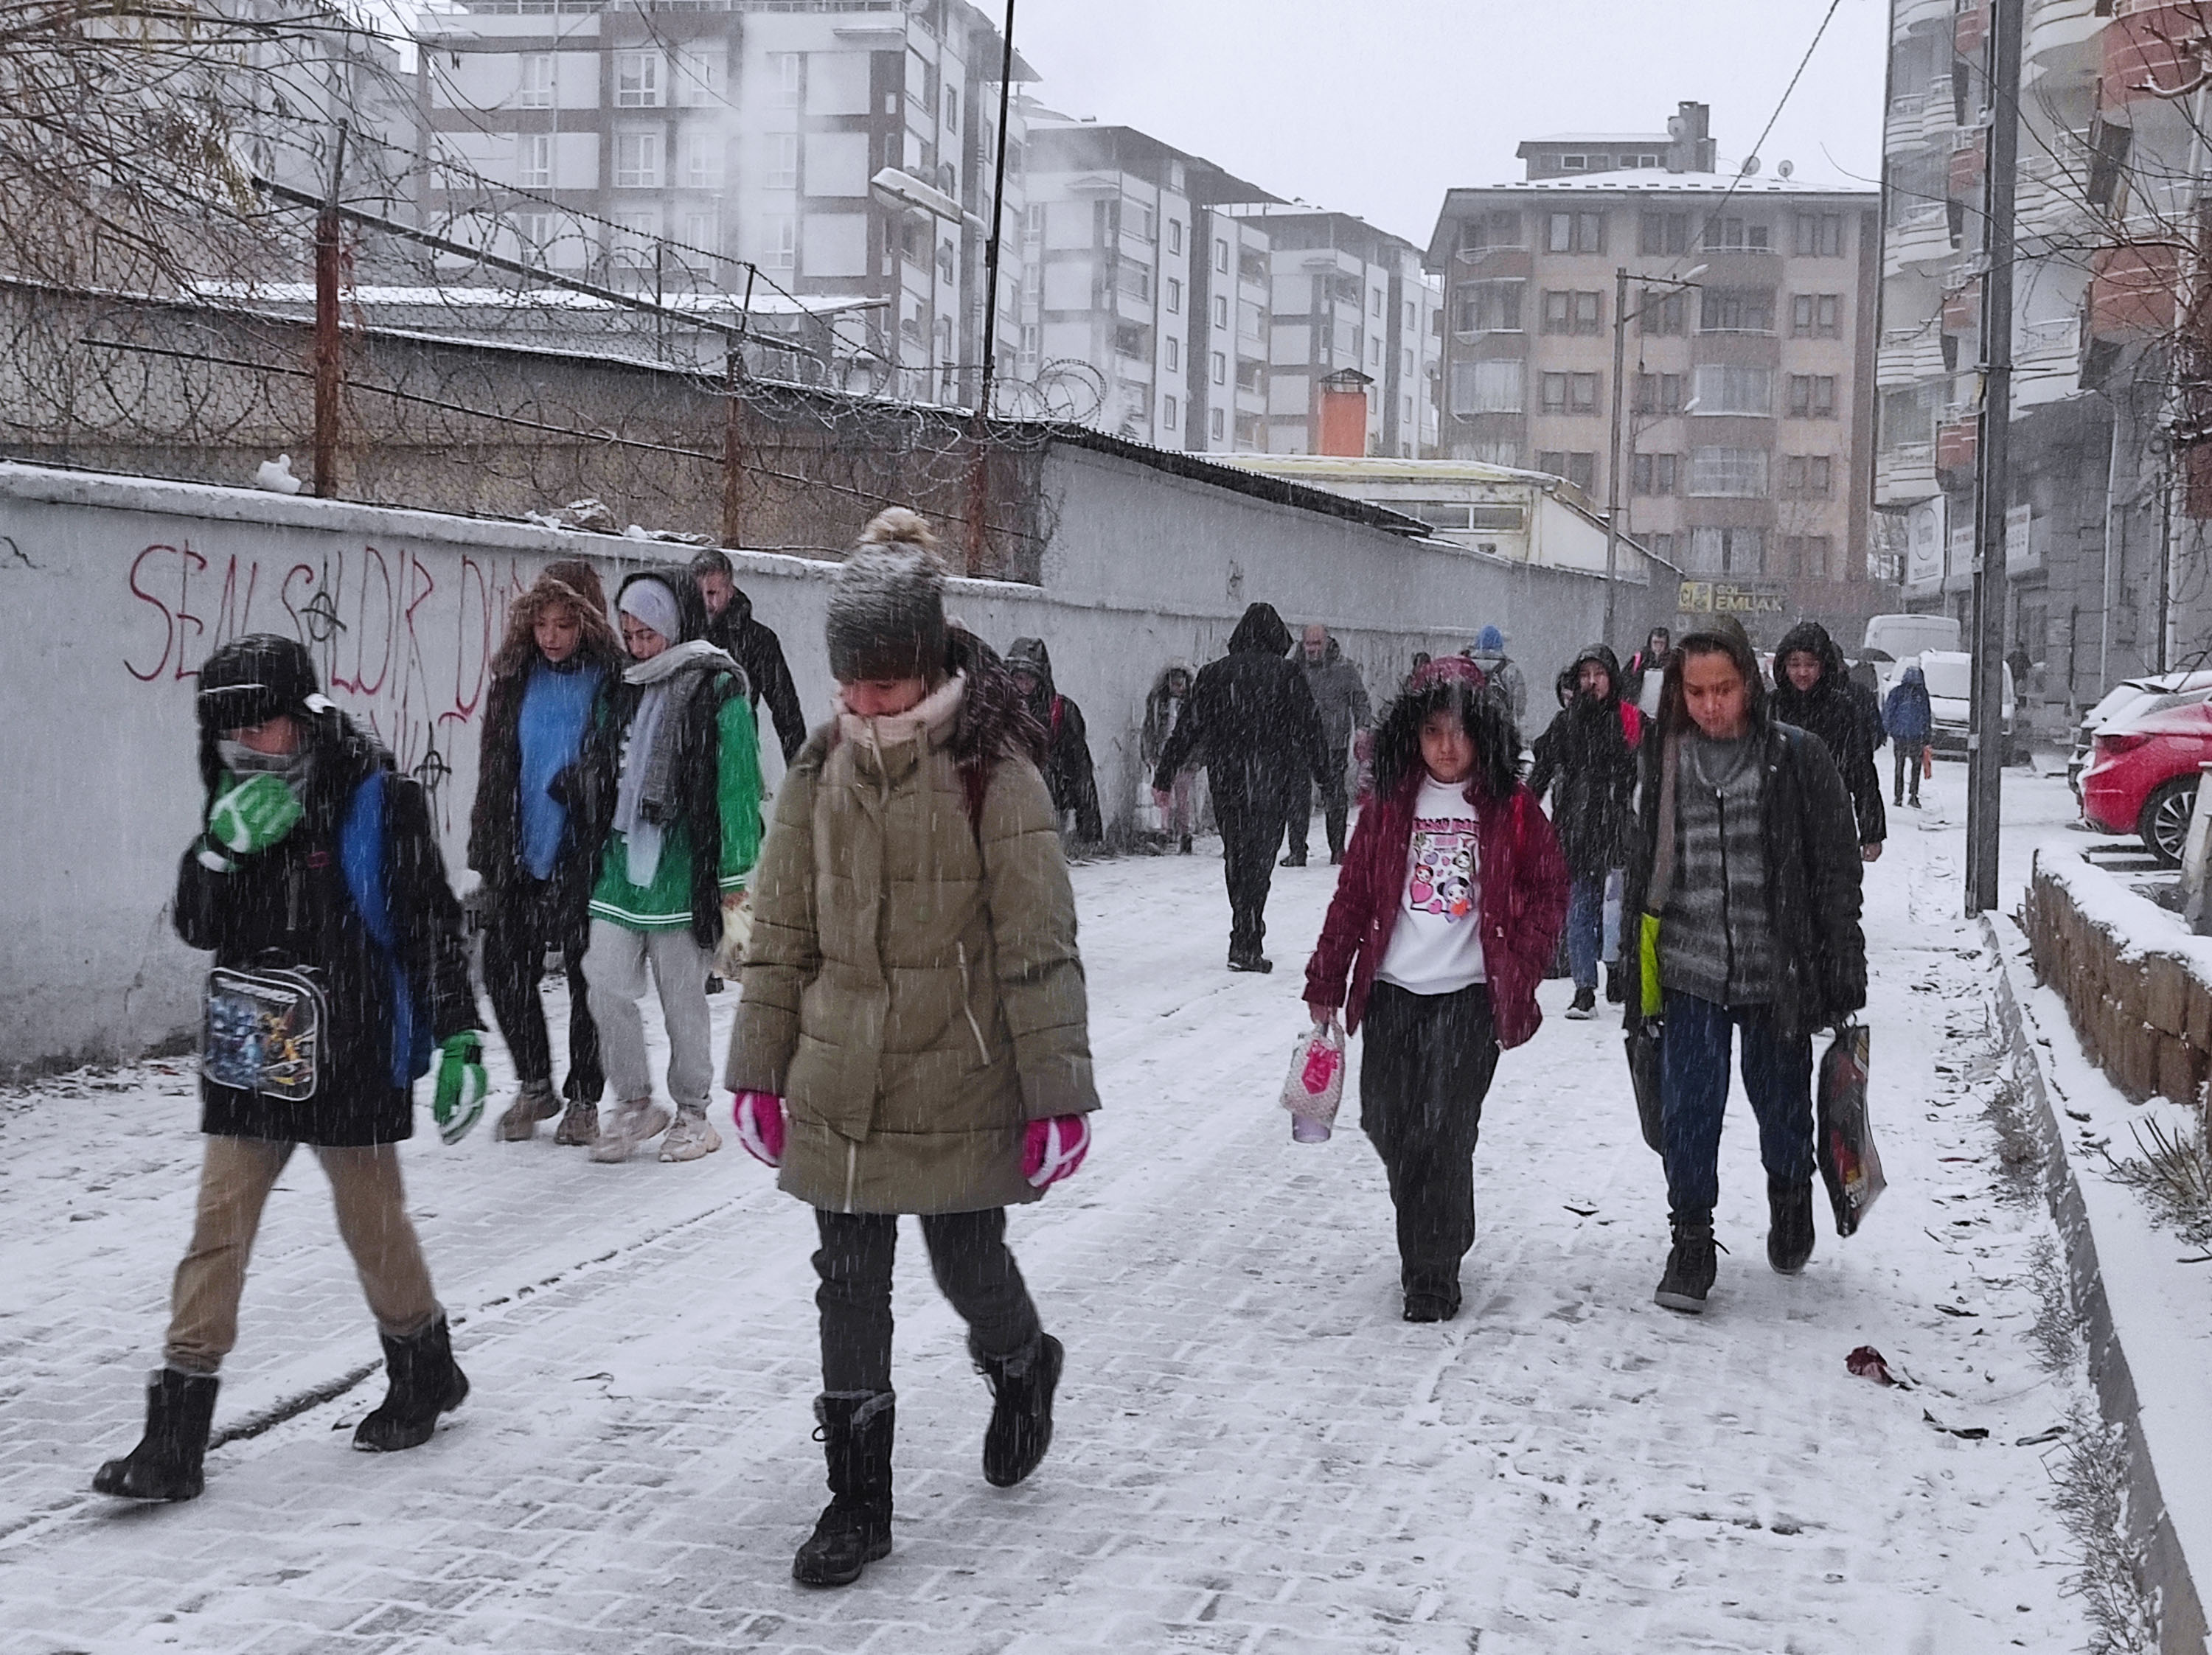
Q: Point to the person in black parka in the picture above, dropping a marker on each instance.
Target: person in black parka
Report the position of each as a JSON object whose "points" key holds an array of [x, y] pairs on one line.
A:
{"points": [[1254, 718], [753, 645], [1813, 690], [1587, 761], [1067, 772], [319, 873]]}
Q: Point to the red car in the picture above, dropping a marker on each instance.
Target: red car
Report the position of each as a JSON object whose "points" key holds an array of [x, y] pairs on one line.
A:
{"points": [[2143, 776]]}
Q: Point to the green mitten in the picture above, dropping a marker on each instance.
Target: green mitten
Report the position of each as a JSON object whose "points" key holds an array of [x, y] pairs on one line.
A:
{"points": [[459, 1098], [253, 814]]}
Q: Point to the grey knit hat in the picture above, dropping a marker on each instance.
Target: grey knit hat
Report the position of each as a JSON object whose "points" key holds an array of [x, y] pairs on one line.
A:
{"points": [[887, 605]]}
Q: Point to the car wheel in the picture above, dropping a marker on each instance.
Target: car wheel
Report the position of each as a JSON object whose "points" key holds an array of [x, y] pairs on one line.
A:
{"points": [[2164, 823]]}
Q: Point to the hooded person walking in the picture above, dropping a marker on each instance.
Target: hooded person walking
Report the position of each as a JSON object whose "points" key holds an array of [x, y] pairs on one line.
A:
{"points": [[672, 774], [1586, 760], [1813, 690], [754, 646], [533, 855], [1910, 718], [1744, 877], [1067, 773], [1252, 719], [1163, 709], [1445, 918], [1500, 672], [913, 1036], [339, 971], [1339, 695]]}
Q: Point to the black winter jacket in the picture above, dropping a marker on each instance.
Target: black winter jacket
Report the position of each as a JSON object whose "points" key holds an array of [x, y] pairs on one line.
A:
{"points": [[1813, 872], [290, 905], [1586, 761], [753, 647], [1068, 776], [495, 819], [1254, 719], [1833, 711]]}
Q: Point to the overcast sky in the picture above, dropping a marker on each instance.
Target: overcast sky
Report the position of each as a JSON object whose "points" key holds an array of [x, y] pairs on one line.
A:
{"points": [[1378, 106]]}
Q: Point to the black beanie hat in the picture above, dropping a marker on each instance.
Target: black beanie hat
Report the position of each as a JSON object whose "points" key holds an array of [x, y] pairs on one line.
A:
{"points": [[887, 604], [250, 680]]}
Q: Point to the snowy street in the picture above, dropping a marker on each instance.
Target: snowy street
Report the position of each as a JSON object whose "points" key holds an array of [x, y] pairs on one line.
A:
{"points": [[1254, 1452]]}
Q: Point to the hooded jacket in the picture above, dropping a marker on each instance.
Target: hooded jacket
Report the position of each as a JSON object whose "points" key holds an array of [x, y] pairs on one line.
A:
{"points": [[1587, 761], [913, 990], [292, 905], [1908, 715], [1832, 711], [1253, 717], [1340, 696], [1488, 652], [753, 647], [1161, 711], [1067, 772]]}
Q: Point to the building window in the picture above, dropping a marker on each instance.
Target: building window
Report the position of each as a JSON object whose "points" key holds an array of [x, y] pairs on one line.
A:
{"points": [[1175, 354], [1727, 551], [1487, 388], [1663, 314], [1252, 376], [1220, 310], [1134, 279], [1221, 255], [702, 159], [1174, 297], [1032, 342], [1737, 310], [1480, 232], [1574, 233], [1169, 422], [1807, 476], [1219, 365], [1660, 233], [1569, 393], [1487, 307], [1812, 396], [637, 80], [533, 161], [1816, 316], [702, 233], [945, 261], [1217, 424], [534, 234], [783, 79], [698, 81], [536, 91], [637, 161], [1582, 471], [1148, 222], [632, 240], [783, 242], [1806, 556], [1736, 235], [1133, 341], [1659, 546], [1175, 235], [1729, 472], [1723, 388], [1655, 474], [782, 161], [1574, 163], [1658, 394], [1819, 235], [952, 109]]}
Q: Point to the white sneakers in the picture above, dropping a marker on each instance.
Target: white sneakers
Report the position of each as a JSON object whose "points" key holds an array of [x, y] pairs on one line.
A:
{"points": [[532, 1105], [689, 1138]]}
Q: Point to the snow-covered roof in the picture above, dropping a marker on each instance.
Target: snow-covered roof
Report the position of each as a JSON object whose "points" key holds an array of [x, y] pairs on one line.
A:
{"points": [[1652, 180], [562, 299], [1598, 137]]}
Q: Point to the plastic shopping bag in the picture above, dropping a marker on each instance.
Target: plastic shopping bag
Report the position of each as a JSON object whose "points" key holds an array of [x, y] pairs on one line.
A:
{"points": [[1928, 762], [1314, 1086], [1850, 1165]]}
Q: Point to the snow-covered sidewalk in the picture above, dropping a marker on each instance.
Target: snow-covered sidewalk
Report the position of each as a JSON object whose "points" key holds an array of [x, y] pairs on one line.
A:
{"points": [[1254, 1452]]}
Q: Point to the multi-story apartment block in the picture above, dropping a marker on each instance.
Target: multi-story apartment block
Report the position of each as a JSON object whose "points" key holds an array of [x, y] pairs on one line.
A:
{"points": [[1134, 276], [845, 151], [2111, 474], [1345, 295], [1747, 399]]}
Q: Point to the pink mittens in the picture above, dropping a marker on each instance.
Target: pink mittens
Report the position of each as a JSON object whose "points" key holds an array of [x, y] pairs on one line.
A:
{"points": [[1052, 1149], [758, 1117]]}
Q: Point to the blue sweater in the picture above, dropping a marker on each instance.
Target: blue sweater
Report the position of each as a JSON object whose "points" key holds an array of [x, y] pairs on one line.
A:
{"points": [[555, 706], [1907, 714]]}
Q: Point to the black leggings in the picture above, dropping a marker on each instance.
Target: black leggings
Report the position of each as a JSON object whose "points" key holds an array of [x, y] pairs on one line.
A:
{"points": [[526, 918], [967, 1255]]}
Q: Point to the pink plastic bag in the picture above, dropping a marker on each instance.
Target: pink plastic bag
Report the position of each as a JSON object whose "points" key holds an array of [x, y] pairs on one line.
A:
{"points": [[1314, 1086]]}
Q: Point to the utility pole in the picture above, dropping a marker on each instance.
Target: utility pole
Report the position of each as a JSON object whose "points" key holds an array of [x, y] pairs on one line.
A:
{"points": [[979, 474], [1986, 745], [329, 361]]}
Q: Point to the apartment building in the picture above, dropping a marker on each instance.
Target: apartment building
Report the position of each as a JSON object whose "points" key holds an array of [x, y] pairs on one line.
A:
{"points": [[1749, 396], [1144, 301], [1344, 295], [845, 151], [2111, 474]]}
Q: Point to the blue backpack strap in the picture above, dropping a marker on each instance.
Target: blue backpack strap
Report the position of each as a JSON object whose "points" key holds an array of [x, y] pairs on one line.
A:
{"points": [[362, 843]]}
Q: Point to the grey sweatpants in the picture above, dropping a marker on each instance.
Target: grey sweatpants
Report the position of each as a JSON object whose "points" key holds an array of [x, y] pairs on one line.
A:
{"points": [[615, 966]]}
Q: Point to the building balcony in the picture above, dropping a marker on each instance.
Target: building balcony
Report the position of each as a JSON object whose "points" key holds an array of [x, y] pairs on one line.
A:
{"points": [[2059, 34], [1918, 17], [1902, 129], [1920, 242], [1939, 115], [1910, 356], [2155, 49], [1905, 475], [2134, 291], [2046, 365]]}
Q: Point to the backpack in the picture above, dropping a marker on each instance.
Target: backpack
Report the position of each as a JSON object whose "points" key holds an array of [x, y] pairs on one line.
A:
{"points": [[362, 844]]}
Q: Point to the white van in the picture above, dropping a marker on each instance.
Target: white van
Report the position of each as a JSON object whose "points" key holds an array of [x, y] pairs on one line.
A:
{"points": [[1901, 636], [1950, 677]]}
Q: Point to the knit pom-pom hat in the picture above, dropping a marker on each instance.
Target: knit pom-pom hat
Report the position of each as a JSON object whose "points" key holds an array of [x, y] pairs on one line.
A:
{"points": [[887, 605]]}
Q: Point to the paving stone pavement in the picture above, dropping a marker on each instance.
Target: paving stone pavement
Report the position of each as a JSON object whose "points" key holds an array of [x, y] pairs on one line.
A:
{"points": [[1254, 1454]]}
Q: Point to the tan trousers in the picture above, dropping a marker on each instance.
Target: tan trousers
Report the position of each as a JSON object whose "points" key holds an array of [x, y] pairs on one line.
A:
{"points": [[236, 1179]]}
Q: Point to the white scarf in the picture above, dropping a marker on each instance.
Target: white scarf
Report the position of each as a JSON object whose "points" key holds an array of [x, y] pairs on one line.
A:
{"points": [[641, 836]]}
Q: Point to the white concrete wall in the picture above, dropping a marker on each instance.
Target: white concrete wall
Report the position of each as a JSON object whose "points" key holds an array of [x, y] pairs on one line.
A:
{"points": [[113, 590]]}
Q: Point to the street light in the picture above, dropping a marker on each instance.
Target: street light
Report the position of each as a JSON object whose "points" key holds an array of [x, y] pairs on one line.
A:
{"points": [[1622, 316]]}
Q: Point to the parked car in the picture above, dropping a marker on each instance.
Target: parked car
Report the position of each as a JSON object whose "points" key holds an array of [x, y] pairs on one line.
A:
{"points": [[2143, 774], [1950, 674], [2130, 696], [1895, 636]]}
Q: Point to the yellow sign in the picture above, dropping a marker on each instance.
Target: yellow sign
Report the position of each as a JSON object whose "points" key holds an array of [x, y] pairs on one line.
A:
{"points": [[1730, 598]]}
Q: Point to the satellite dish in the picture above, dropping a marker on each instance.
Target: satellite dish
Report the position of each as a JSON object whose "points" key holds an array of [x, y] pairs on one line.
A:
{"points": [[1751, 167], [1785, 169]]}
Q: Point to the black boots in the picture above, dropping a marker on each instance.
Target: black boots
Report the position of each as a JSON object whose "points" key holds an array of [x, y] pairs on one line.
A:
{"points": [[854, 1528], [1585, 1005], [1690, 1269], [1616, 986], [1021, 1410], [425, 1382], [165, 1463], [1254, 961], [1790, 1225]]}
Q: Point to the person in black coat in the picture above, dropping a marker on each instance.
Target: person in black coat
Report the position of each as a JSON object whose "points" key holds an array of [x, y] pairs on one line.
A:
{"points": [[1813, 690], [1067, 772], [1254, 719], [339, 969], [1586, 760], [731, 627]]}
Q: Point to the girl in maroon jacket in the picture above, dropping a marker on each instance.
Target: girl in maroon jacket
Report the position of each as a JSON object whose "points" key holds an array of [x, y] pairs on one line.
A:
{"points": [[1445, 918]]}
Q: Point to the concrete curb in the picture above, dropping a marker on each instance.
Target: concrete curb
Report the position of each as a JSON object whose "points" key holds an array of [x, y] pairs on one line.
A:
{"points": [[2166, 1570]]}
